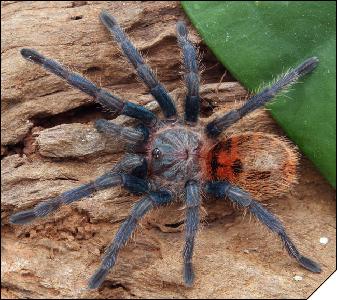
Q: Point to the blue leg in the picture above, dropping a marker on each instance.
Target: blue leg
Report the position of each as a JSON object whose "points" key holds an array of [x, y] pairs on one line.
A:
{"points": [[128, 164], [222, 189], [101, 96], [143, 70], [154, 199], [192, 75], [192, 200], [214, 128], [140, 171], [113, 178], [130, 135]]}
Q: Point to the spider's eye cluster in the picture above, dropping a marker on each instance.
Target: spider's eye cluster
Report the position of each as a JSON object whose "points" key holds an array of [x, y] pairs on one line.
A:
{"points": [[156, 153]]}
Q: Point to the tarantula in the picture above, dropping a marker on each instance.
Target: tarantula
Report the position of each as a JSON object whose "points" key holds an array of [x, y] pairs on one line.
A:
{"points": [[181, 156]]}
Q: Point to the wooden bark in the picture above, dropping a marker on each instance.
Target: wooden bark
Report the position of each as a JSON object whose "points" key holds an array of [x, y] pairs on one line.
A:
{"points": [[49, 144]]}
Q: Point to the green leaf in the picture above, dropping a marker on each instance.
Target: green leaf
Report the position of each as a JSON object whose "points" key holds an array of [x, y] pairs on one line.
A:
{"points": [[256, 41]]}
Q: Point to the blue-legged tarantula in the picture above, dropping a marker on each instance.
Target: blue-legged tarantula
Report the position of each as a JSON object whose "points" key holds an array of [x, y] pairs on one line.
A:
{"points": [[181, 156]]}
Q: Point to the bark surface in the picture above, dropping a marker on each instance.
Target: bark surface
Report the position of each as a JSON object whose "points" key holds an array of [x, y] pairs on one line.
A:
{"points": [[49, 145]]}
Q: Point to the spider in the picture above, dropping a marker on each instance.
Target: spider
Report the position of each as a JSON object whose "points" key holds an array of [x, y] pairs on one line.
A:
{"points": [[181, 158]]}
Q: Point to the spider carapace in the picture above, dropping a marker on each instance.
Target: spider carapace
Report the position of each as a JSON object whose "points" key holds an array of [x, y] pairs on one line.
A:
{"points": [[181, 158]]}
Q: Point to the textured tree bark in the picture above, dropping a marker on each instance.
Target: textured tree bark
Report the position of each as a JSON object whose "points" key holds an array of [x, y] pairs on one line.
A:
{"points": [[49, 144]]}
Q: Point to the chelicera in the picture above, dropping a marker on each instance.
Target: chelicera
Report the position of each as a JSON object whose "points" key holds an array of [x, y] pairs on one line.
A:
{"points": [[181, 158]]}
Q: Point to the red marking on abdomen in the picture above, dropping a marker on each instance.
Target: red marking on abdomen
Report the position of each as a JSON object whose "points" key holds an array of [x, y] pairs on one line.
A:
{"points": [[223, 161]]}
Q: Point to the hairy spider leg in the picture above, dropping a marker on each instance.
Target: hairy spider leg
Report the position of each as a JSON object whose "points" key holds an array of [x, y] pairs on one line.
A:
{"points": [[101, 96], [150, 201], [144, 71], [128, 134], [222, 189], [192, 201], [214, 128], [134, 138], [191, 76], [112, 178]]}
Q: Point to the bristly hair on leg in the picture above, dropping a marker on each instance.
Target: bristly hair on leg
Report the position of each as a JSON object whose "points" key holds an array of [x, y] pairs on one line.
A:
{"points": [[222, 189], [101, 96], [214, 128], [143, 70], [139, 210], [282, 92], [192, 201], [190, 58], [117, 176]]}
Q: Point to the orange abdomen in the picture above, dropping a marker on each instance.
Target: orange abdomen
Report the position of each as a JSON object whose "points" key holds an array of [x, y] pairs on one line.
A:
{"points": [[262, 164], [223, 161]]}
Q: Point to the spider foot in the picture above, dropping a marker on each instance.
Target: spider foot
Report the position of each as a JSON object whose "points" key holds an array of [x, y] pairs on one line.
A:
{"points": [[188, 274], [23, 217], [309, 264], [32, 55], [97, 279]]}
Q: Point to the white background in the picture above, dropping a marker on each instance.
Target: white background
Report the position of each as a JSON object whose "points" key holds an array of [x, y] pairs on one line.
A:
{"points": [[328, 290]]}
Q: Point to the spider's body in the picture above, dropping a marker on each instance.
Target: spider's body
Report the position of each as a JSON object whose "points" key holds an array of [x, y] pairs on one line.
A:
{"points": [[181, 158], [174, 155], [263, 164]]}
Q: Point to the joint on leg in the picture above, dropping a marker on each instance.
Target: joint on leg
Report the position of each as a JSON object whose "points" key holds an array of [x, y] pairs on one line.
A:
{"points": [[160, 198], [134, 184], [165, 102], [140, 171], [136, 111], [130, 135], [107, 180], [214, 128], [193, 198], [128, 163], [218, 189]]}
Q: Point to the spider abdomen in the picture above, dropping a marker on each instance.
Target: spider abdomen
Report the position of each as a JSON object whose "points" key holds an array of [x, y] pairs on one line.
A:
{"points": [[263, 164]]}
